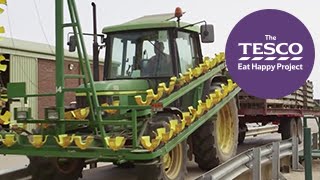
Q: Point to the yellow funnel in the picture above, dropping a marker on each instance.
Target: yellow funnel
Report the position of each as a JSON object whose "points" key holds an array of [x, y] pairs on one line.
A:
{"points": [[188, 76], [64, 140], [209, 103], [141, 102], [5, 118], [177, 126], [150, 145], [9, 140], [83, 145], [204, 67], [111, 111], [3, 2], [230, 85], [169, 89], [115, 143], [225, 90], [187, 117], [218, 94], [197, 71], [181, 81], [166, 136], [37, 140], [81, 113], [157, 96]]}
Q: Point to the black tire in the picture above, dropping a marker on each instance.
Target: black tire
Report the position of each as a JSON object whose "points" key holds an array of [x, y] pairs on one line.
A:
{"points": [[125, 165], [300, 129], [205, 142], [159, 171], [242, 132], [43, 168], [288, 128], [241, 137]]}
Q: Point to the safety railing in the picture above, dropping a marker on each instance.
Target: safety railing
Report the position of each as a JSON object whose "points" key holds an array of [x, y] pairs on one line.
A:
{"points": [[253, 159]]}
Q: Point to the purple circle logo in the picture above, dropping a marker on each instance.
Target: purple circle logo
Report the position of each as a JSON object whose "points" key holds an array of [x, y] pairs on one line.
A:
{"points": [[270, 53]]}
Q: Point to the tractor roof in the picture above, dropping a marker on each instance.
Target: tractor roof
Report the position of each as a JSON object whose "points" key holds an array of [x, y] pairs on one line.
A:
{"points": [[150, 22]]}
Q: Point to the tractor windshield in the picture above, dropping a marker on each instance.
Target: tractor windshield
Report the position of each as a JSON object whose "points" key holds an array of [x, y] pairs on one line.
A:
{"points": [[138, 54]]}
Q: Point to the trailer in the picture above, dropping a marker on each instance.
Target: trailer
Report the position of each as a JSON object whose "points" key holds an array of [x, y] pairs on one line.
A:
{"points": [[287, 112]]}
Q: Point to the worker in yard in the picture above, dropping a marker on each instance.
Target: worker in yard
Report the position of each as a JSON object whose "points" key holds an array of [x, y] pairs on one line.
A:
{"points": [[160, 64]]}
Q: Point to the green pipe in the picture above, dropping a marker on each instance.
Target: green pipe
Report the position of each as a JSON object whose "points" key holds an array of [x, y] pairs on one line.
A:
{"points": [[134, 129], [59, 63], [307, 154]]}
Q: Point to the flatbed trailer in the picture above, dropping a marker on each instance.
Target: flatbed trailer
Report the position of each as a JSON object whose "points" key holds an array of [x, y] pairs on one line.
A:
{"points": [[287, 112]]}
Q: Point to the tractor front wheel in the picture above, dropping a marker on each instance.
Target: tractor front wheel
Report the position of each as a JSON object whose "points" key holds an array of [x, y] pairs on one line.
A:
{"points": [[55, 168], [171, 166]]}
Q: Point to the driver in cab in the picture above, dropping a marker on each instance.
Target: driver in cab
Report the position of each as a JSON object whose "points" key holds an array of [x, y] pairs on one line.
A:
{"points": [[159, 64]]}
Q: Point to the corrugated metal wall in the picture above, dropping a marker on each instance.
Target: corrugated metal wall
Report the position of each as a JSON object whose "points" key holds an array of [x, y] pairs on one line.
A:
{"points": [[25, 69]]}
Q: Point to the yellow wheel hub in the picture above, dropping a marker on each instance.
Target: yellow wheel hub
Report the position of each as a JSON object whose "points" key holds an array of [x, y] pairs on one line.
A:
{"points": [[224, 128], [172, 162]]}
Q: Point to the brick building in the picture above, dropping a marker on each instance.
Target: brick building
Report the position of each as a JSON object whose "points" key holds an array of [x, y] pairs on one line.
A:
{"points": [[34, 63]]}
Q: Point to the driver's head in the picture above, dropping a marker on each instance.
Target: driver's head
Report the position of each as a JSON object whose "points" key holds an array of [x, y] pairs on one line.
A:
{"points": [[158, 47]]}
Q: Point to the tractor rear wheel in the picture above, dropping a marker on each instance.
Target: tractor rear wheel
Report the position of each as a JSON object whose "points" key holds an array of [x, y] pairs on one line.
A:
{"points": [[55, 168], [217, 139], [171, 166]]}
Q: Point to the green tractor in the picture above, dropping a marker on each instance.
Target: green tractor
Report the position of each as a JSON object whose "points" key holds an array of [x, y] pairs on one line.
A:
{"points": [[160, 102]]}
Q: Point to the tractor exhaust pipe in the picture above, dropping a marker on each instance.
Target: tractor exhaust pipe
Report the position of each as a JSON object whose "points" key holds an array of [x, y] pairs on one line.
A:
{"points": [[95, 45]]}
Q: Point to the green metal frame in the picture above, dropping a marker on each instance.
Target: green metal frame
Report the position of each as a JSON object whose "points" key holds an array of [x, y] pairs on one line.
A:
{"points": [[24, 148]]}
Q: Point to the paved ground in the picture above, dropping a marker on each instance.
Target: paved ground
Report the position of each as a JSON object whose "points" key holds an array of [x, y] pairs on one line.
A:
{"points": [[112, 172]]}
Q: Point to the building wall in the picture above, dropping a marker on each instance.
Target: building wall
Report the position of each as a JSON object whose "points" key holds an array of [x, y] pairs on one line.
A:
{"points": [[46, 82], [25, 69]]}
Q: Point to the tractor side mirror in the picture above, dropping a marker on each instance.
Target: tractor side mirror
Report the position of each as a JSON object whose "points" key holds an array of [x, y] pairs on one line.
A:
{"points": [[72, 43], [207, 33]]}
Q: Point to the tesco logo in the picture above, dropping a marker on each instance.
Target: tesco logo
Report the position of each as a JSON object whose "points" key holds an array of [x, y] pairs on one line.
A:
{"points": [[272, 50]]}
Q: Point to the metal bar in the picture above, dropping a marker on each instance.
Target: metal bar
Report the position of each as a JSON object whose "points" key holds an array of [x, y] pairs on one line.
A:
{"points": [[59, 62], [275, 160], [296, 166], [40, 95], [134, 129], [192, 85], [256, 169], [94, 109], [305, 122], [307, 154], [76, 89], [315, 141], [74, 76], [244, 161], [36, 121], [69, 24]]}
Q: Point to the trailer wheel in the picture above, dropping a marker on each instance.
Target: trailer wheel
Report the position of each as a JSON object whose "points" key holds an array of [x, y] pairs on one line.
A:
{"points": [[288, 128], [217, 139], [300, 129], [55, 168], [242, 132], [172, 166]]}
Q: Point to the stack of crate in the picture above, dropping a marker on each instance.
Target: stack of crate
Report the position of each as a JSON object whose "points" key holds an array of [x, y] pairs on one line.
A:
{"points": [[308, 88], [302, 98]]}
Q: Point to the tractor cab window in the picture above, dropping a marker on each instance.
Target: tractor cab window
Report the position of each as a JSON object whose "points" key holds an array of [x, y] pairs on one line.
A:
{"points": [[139, 54], [186, 51]]}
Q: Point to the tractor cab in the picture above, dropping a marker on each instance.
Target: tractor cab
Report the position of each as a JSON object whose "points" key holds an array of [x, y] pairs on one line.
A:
{"points": [[147, 51], [151, 47]]}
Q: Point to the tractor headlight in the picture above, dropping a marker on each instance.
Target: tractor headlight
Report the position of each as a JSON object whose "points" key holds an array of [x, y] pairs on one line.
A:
{"points": [[22, 113], [52, 114]]}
